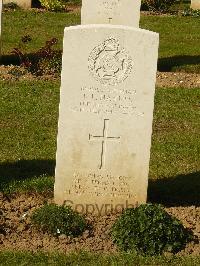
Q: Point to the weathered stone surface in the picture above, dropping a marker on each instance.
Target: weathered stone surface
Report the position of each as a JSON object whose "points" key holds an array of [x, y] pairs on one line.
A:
{"points": [[105, 117], [118, 12], [195, 4], [21, 3]]}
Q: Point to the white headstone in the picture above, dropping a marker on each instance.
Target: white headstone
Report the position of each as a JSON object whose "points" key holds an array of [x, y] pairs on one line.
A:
{"points": [[195, 4], [105, 117], [118, 12]]}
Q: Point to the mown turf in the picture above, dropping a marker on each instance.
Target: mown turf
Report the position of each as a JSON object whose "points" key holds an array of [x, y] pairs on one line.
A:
{"points": [[179, 38], [29, 114], [84, 258], [175, 163], [40, 26]]}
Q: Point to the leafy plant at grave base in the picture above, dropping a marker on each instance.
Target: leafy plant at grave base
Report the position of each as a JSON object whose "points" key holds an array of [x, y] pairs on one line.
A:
{"points": [[149, 229], [52, 5], [191, 12], [157, 5], [45, 61], [58, 220]]}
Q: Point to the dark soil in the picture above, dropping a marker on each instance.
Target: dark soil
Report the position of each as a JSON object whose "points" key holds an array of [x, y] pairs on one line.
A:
{"points": [[17, 232]]}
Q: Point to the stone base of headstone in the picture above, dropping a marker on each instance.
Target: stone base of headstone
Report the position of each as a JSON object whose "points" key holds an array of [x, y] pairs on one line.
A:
{"points": [[21, 3], [195, 4], [105, 117]]}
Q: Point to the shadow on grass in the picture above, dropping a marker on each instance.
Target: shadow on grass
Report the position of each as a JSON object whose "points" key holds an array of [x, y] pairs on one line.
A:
{"points": [[24, 169], [10, 59], [14, 59], [167, 64], [182, 190], [36, 4], [164, 64]]}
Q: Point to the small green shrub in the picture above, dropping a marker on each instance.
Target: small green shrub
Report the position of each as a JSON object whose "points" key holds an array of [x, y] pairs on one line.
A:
{"points": [[157, 5], [58, 220], [52, 5], [149, 229], [47, 60]]}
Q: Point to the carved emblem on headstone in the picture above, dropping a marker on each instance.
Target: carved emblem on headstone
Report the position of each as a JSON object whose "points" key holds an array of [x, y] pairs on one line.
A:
{"points": [[109, 63]]}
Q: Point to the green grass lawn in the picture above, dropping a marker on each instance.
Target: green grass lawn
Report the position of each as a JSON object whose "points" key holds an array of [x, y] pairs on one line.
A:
{"points": [[29, 114], [179, 36], [41, 26], [83, 258]]}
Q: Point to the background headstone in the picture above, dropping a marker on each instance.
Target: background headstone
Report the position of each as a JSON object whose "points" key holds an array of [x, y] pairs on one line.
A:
{"points": [[105, 117], [119, 12], [195, 4]]}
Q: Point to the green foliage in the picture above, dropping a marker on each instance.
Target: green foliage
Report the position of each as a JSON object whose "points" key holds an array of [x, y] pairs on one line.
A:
{"points": [[191, 12], [46, 60], [149, 229], [58, 220], [52, 5], [157, 5]]}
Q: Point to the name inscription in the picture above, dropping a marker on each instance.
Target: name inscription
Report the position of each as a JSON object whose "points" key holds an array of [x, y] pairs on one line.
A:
{"points": [[110, 6], [97, 100]]}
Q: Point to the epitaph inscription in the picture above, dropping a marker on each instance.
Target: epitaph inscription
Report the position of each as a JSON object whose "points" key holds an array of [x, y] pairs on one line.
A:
{"points": [[110, 8], [109, 63], [100, 185]]}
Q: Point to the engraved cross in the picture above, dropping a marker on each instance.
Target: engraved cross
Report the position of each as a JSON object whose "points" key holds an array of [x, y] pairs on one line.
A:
{"points": [[103, 139]]}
